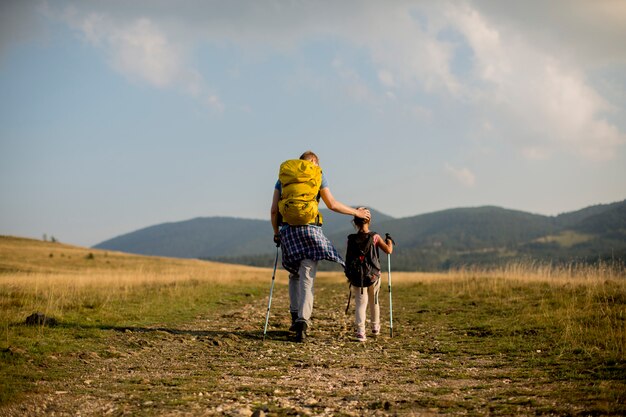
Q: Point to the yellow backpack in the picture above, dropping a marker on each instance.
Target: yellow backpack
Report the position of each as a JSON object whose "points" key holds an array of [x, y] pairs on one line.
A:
{"points": [[300, 181]]}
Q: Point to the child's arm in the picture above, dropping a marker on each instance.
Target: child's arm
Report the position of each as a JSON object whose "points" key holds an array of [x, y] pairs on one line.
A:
{"points": [[385, 245]]}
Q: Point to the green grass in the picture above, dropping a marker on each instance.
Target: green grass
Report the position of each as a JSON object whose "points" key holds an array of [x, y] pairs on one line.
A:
{"points": [[25, 351], [159, 335], [532, 332]]}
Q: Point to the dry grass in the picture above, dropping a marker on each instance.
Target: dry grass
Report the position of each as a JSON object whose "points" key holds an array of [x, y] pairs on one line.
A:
{"points": [[587, 302], [525, 272], [25, 257], [38, 268], [51, 277], [460, 334], [57, 279]]}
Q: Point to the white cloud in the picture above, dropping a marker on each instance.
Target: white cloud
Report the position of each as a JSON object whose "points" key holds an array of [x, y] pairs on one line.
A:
{"points": [[462, 175], [544, 102], [386, 78], [421, 113], [143, 51], [215, 103], [405, 52], [535, 153], [354, 86], [526, 69], [591, 33]]}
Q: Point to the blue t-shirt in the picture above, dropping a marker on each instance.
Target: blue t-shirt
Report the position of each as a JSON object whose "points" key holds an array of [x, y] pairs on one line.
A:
{"points": [[279, 186]]}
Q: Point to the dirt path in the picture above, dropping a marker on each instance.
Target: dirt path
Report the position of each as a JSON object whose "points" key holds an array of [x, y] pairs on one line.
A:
{"points": [[219, 365]]}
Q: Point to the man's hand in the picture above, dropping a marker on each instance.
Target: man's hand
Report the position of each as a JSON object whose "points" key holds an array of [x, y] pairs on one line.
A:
{"points": [[277, 239], [363, 213]]}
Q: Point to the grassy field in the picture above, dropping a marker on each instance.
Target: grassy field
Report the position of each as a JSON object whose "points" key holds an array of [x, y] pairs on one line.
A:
{"points": [[155, 336]]}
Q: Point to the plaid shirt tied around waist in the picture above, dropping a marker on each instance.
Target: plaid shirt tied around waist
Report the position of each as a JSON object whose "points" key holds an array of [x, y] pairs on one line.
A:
{"points": [[306, 242]]}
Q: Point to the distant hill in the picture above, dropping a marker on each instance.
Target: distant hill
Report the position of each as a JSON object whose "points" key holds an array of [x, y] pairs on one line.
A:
{"points": [[213, 237], [574, 218], [469, 228], [432, 241], [203, 237], [612, 220]]}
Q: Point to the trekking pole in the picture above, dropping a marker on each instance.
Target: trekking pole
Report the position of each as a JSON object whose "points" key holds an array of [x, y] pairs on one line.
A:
{"points": [[390, 302], [269, 303]]}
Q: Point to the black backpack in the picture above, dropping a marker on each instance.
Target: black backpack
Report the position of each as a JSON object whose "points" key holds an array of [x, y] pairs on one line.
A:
{"points": [[362, 260]]}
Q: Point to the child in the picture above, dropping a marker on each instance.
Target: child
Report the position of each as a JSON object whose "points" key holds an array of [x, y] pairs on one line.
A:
{"points": [[363, 272]]}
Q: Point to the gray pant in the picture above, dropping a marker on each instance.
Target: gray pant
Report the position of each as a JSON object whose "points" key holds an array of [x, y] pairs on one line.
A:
{"points": [[301, 290]]}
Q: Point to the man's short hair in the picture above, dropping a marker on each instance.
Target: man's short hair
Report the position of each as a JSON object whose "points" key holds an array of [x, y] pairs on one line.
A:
{"points": [[310, 156]]}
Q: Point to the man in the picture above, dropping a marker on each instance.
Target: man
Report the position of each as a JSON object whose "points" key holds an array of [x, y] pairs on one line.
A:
{"points": [[303, 245]]}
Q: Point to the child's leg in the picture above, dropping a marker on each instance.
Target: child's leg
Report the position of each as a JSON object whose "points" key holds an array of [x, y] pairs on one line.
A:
{"points": [[373, 291], [360, 307]]}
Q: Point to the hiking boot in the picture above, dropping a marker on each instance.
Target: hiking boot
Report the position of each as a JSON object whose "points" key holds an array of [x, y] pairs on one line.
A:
{"points": [[361, 337], [294, 317], [300, 331], [375, 330]]}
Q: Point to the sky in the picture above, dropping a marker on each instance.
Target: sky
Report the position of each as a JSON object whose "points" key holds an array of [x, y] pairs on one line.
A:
{"points": [[118, 115]]}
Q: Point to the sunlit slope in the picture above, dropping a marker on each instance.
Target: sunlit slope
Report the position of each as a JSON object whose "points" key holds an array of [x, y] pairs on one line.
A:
{"points": [[28, 256]]}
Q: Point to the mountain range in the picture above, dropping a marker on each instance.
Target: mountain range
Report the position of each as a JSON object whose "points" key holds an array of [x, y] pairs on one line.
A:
{"points": [[434, 241]]}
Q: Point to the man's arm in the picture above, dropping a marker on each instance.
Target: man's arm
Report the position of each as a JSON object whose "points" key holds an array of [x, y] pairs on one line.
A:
{"points": [[274, 211], [339, 207]]}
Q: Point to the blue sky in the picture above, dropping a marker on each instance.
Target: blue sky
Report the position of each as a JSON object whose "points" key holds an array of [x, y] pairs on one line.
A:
{"points": [[120, 115]]}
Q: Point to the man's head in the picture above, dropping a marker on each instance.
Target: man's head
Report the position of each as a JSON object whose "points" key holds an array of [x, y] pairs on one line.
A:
{"points": [[310, 156]]}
